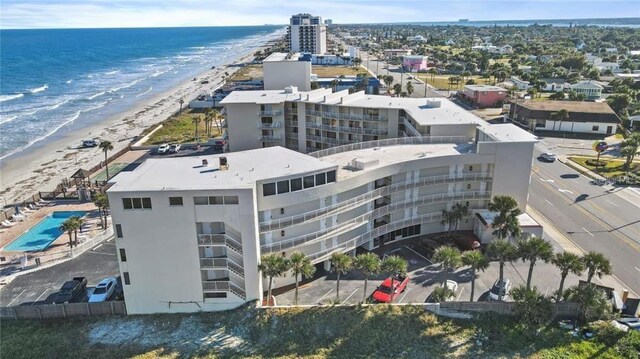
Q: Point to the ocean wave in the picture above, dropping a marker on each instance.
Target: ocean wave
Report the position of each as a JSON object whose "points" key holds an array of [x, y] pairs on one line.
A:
{"points": [[7, 119], [69, 81], [112, 72], [159, 73], [197, 47], [96, 95], [4, 98], [39, 89], [146, 92], [127, 85], [53, 107]]}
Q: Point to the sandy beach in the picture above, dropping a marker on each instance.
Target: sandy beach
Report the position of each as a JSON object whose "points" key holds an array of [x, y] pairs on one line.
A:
{"points": [[42, 167]]}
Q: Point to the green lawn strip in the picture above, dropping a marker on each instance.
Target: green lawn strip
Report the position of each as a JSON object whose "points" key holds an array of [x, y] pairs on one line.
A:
{"points": [[114, 169], [340, 332], [335, 71], [442, 81], [180, 129], [612, 168]]}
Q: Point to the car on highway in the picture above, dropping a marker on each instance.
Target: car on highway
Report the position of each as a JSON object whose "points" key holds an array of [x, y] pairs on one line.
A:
{"points": [[387, 292], [89, 143], [164, 148], [71, 290], [174, 148], [500, 289], [103, 291], [548, 156]]}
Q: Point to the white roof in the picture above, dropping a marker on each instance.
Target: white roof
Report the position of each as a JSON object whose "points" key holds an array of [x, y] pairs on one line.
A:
{"points": [[587, 84], [484, 88], [245, 168], [267, 96], [507, 132], [524, 219], [282, 56]]}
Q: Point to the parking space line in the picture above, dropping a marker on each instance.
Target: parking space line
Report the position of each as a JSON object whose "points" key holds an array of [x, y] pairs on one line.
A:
{"points": [[551, 204], [40, 296], [326, 294], [405, 294], [14, 299], [638, 269], [108, 254], [458, 298], [420, 255], [350, 295], [98, 246], [586, 230]]}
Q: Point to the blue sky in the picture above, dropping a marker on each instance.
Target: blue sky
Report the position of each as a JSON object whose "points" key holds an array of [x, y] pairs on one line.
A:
{"points": [[153, 13]]}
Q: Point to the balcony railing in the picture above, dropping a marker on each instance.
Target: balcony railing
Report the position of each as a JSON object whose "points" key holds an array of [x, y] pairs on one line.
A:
{"points": [[277, 124], [222, 263], [355, 222], [269, 113], [390, 142], [273, 138], [224, 239], [333, 141], [360, 130], [291, 123], [271, 225], [226, 286], [346, 116], [412, 130]]}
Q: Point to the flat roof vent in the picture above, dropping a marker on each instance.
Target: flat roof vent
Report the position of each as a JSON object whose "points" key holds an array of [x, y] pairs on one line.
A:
{"points": [[205, 163], [434, 103], [224, 165], [290, 90]]}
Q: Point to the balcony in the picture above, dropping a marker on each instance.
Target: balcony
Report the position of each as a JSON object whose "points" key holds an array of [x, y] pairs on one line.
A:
{"points": [[224, 239], [269, 113], [276, 124], [290, 123], [346, 116], [223, 286], [392, 142], [272, 138], [358, 130], [222, 263]]}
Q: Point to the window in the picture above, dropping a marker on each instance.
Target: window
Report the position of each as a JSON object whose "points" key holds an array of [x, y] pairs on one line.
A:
{"points": [[216, 200], [470, 168], [282, 233], [126, 203], [283, 187], [146, 203], [125, 276], [321, 178], [269, 189], [200, 201], [595, 128], [331, 176], [137, 203], [230, 199], [469, 186], [175, 201], [123, 255], [296, 184], [215, 295], [308, 181], [119, 230]]}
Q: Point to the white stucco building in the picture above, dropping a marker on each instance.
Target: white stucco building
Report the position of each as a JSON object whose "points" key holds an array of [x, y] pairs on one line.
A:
{"points": [[590, 89], [306, 33], [191, 230], [281, 70]]}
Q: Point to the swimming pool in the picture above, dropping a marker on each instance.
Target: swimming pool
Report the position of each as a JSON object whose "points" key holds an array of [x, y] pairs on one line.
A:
{"points": [[41, 235]]}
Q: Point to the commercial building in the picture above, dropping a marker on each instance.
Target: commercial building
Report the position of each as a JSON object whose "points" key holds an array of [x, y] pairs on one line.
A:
{"points": [[484, 95], [306, 33], [281, 70], [414, 63], [391, 53], [190, 231], [583, 116]]}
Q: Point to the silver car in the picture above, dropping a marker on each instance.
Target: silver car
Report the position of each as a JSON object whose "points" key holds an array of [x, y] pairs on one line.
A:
{"points": [[548, 156], [103, 290]]}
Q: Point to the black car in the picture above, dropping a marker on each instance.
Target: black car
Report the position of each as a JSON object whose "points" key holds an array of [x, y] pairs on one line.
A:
{"points": [[71, 290]]}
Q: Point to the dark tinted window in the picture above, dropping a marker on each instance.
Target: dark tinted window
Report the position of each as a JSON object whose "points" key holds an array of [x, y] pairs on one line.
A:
{"points": [[308, 182], [269, 189], [230, 199], [146, 203], [123, 255], [137, 203], [175, 201], [321, 179], [296, 184], [125, 276], [126, 203], [215, 295], [118, 230], [216, 200], [200, 201], [331, 176], [283, 187]]}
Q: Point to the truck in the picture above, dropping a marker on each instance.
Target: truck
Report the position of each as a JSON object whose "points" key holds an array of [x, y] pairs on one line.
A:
{"points": [[71, 290], [390, 288]]}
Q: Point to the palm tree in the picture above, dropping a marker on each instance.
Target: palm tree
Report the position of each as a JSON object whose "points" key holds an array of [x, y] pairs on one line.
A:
{"points": [[596, 264], [77, 224], [180, 101], [448, 219], [393, 265], [300, 265], [532, 250], [433, 72], [559, 116], [502, 251], [104, 202], [449, 258], [196, 123], [208, 121], [567, 262], [217, 118], [368, 264], [271, 266], [67, 226], [106, 146], [409, 88], [476, 261], [98, 203], [342, 264], [505, 224], [459, 212], [630, 148]]}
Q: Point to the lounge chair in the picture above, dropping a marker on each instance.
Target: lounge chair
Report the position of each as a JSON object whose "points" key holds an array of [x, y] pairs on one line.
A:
{"points": [[41, 202], [33, 207], [20, 217], [6, 223], [26, 210]]}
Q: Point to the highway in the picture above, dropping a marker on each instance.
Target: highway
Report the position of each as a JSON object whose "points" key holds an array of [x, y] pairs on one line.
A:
{"points": [[597, 218]]}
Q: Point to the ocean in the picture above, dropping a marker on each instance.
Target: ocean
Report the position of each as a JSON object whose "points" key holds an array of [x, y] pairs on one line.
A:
{"points": [[54, 81]]}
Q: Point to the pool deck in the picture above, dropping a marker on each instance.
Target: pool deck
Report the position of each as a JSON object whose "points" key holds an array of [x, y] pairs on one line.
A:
{"points": [[61, 244]]}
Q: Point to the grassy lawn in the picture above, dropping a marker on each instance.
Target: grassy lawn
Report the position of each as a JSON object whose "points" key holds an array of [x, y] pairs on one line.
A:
{"points": [[338, 332], [335, 71], [249, 72], [180, 129], [442, 81], [611, 169], [114, 169]]}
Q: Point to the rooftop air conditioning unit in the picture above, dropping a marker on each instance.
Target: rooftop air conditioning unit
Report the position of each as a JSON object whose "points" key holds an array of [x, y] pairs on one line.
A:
{"points": [[433, 103]]}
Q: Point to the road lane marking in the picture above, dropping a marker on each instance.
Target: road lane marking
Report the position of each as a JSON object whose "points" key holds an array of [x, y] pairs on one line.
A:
{"points": [[565, 191], [326, 294], [350, 295], [613, 204], [405, 294], [14, 299], [40, 296], [586, 230], [551, 204], [546, 180], [108, 254], [638, 269], [458, 297]]}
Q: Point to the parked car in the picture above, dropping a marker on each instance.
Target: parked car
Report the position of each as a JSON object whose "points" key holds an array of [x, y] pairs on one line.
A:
{"points": [[89, 143], [498, 288], [452, 285], [174, 148], [467, 243], [103, 290], [164, 148], [385, 293], [631, 322], [548, 156], [71, 290]]}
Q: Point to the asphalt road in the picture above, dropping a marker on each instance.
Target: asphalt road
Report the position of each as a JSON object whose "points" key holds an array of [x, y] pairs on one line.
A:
{"points": [[597, 218]]}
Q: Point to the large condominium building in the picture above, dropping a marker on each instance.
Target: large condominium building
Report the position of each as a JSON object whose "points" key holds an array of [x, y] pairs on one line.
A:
{"points": [[286, 69], [307, 33], [190, 231]]}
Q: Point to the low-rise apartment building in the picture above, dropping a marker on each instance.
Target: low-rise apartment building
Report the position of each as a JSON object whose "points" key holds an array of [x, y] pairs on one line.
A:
{"points": [[590, 89], [484, 95]]}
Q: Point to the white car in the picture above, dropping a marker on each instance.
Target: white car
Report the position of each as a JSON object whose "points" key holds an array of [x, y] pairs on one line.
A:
{"points": [[498, 287], [548, 156], [174, 148], [164, 148], [452, 286], [103, 290]]}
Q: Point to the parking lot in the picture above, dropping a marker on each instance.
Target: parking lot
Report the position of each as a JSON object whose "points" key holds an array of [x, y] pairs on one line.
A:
{"points": [[40, 287], [424, 277]]}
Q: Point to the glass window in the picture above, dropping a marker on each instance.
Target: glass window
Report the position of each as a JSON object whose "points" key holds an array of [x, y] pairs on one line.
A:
{"points": [[146, 203], [283, 187], [216, 200], [595, 128], [269, 189], [125, 276], [321, 178], [137, 203], [175, 201], [119, 230], [200, 201], [230, 199], [123, 255], [215, 295], [296, 184], [126, 203], [308, 182], [331, 176]]}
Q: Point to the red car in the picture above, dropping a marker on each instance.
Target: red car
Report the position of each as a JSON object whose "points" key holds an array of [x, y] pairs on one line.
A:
{"points": [[385, 294]]}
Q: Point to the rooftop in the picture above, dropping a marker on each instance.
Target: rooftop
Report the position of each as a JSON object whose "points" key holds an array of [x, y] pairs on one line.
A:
{"points": [[507, 132], [524, 219], [484, 88], [570, 106], [282, 56]]}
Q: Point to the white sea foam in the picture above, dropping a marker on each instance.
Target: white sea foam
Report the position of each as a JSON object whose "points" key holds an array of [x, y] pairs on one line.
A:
{"points": [[69, 81], [39, 89], [4, 98], [53, 107], [96, 95], [159, 73], [7, 119], [146, 92], [112, 72], [127, 85]]}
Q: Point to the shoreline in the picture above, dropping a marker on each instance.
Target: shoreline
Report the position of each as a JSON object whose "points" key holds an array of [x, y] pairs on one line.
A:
{"points": [[41, 167]]}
